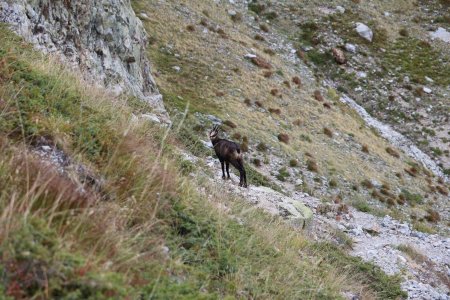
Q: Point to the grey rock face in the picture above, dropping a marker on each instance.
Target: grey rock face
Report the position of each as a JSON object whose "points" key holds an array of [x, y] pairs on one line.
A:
{"points": [[104, 39]]}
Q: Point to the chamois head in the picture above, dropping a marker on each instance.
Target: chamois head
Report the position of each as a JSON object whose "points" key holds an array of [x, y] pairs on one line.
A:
{"points": [[214, 133]]}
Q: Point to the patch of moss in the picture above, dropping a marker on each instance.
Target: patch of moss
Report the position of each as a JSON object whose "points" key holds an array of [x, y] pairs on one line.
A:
{"points": [[256, 178], [283, 174], [417, 59]]}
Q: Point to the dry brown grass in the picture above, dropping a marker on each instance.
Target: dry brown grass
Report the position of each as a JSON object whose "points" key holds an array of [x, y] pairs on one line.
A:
{"points": [[365, 148], [275, 92], [267, 74], [442, 190], [204, 22], [264, 27], [269, 51], [261, 62], [293, 163], [297, 80], [367, 184], [312, 165], [284, 138], [259, 104], [432, 216], [301, 55], [244, 144], [412, 171], [327, 131], [327, 105], [257, 162], [392, 152], [236, 136], [260, 38], [318, 96], [275, 111], [230, 124]]}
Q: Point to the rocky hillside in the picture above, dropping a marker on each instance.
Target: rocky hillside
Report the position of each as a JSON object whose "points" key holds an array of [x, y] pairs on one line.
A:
{"points": [[341, 110]]}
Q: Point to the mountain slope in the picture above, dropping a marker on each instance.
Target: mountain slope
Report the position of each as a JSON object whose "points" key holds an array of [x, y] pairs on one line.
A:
{"points": [[95, 204], [101, 200], [199, 59]]}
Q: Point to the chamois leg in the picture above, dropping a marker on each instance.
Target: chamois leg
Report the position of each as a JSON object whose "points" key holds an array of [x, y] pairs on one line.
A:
{"points": [[243, 173], [223, 169], [238, 166], [228, 169]]}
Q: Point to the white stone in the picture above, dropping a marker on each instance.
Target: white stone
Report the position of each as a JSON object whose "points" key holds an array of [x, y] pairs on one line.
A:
{"points": [[427, 90], [401, 259], [232, 12], [144, 16], [361, 74], [364, 31], [429, 79], [176, 68], [441, 34], [340, 9], [249, 55], [350, 48], [151, 117]]}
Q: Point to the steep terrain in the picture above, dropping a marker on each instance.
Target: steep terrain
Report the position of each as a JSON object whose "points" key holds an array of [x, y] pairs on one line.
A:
{"points": [[222, 62], [100, 199]]}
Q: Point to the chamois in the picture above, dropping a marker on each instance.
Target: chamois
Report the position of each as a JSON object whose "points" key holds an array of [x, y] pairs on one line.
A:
{"points": [[228, 153]]}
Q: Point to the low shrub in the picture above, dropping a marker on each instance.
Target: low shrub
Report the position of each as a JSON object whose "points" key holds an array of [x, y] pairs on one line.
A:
{"points": [[284, 138], [293, 163], [297, 80], [264, 27], [312, 165], [392, 152], [365, 148], [276, 111], [230, 124], [328, 132], [318, 96]]}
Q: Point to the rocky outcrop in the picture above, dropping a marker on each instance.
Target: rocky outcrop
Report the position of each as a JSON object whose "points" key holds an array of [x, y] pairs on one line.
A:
{"points": [[104, 39]]}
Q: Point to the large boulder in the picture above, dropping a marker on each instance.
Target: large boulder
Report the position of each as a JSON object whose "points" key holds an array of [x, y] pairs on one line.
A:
{"points": [[104, 39]]}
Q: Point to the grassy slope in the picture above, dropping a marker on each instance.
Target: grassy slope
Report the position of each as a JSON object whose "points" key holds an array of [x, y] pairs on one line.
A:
{"points": [[215, 78], [58, 242]]}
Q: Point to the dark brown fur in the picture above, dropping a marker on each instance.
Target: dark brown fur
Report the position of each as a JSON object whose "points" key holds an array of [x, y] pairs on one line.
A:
{"points": [[228, 153]]}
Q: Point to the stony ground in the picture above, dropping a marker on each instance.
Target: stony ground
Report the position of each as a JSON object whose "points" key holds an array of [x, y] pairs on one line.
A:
{"points": [[374, 88], [423, 260]]}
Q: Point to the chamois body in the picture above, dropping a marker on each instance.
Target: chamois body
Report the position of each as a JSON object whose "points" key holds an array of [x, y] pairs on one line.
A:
{"points": [[228, 153]]}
